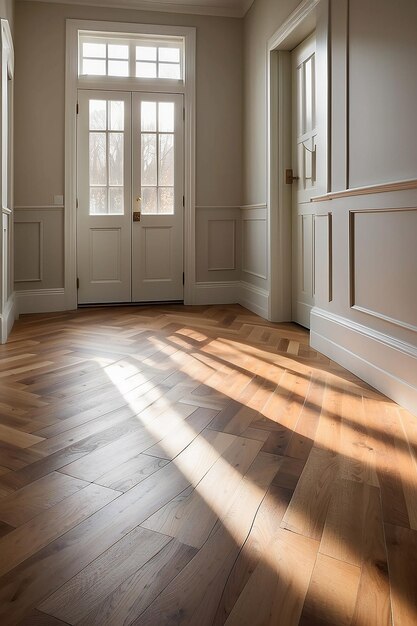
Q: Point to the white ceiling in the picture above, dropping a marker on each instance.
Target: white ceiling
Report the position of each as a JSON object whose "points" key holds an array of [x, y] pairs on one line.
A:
{"points": [[228, 8]]}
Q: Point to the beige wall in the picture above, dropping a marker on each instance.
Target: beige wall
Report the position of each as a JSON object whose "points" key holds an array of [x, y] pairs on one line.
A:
{"points": [[383, 91], [40, 78], [262, 20], [7, 11]]}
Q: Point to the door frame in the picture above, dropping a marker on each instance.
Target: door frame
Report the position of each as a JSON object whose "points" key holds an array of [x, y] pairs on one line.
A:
{"points": [[310, 15], [73, 83]]}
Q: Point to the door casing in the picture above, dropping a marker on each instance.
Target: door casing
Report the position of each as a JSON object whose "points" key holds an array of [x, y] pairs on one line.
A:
{"points": [[72, 83]]}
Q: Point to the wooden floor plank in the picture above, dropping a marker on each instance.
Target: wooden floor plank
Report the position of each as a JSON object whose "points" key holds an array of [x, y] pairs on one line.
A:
{"points": [[191, 517], [402, 562], [126, 603], [276, 590], [186, 599], [39, 496], [373, 600], [131, 473], [47, 526], [18, 438], [307, 511], [332, 592], [256, 549], [74, 600], [345, 527]]}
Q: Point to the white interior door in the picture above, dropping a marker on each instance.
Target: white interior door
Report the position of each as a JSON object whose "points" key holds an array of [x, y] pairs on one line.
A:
{"points": [[158, 188], [130, 197], [104, 197], [304, 157]]}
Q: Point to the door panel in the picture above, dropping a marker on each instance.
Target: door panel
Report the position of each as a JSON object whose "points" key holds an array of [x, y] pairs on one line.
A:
{"points": [[304, 149], [157, 239], [104, 197]]}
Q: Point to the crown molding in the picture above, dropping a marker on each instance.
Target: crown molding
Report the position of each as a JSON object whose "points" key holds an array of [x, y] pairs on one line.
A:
{"points": [[160, 7]]}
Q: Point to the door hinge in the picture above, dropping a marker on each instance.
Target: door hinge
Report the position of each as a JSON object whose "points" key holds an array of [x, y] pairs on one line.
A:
{"points": [[76, 203], [183, 201], [77, 108], [183, 278], [183, 114], [78, 283]]}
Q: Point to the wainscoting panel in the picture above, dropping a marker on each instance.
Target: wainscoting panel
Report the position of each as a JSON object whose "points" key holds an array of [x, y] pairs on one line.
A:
{"points": [[323, 257], [254, 244], [383, 264], [221, 245], [217, 244], [39, 243], [29, 252], [365, 318], [39, 258]]}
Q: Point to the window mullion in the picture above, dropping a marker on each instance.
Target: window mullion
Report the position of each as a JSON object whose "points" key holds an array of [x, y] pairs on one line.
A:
{"points": [[132, 59]]}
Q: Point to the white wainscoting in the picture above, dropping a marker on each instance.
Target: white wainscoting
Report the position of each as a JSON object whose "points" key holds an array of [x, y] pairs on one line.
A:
{"points": [[39, 258], [232, 257], [254, 242], [217, 292], [217, 244], [383, 361], [365, 315], [217, 255], [254, 287], [41, 300], [254, 298], [8, 312], [383, 264]]}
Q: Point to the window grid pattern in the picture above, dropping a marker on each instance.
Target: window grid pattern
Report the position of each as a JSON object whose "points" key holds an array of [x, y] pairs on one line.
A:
{"points": [[145, 58], [157, 158], [106, 157]]}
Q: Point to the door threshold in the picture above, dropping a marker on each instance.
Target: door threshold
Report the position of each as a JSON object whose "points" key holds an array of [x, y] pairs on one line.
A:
{"points": [[136, 304]]}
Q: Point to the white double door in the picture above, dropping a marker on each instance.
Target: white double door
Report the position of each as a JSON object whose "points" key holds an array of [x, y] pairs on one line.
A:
{"points": [[130, 197]]}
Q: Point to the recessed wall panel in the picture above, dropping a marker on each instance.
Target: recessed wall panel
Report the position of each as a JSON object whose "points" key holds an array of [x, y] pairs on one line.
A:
{"points": [[254, 246], [28, 251], [384, 264], [221, 245]]}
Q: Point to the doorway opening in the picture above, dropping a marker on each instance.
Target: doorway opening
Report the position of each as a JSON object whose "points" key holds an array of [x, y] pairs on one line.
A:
{"points": [[130, 163], [297, 156]]}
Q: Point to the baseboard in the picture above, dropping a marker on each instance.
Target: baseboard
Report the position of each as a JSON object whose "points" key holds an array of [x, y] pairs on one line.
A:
{"points": [[41, 300], [386, 363], [226, 292], [254, 298], [8, 317]]}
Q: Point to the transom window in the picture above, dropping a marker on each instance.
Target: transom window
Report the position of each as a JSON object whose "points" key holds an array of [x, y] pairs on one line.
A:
{"points": [[143, 57]]}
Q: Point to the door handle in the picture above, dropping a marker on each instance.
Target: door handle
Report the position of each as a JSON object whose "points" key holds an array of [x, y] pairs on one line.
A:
{"points": [[290, 178], [136, 214]]}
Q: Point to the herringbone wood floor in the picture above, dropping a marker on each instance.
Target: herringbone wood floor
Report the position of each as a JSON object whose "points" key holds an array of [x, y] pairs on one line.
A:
{"points": [[173, 465]]}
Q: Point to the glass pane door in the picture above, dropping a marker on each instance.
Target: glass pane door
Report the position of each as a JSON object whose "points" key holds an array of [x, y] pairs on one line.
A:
{"points": [[157, 144], [158, 197]]}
